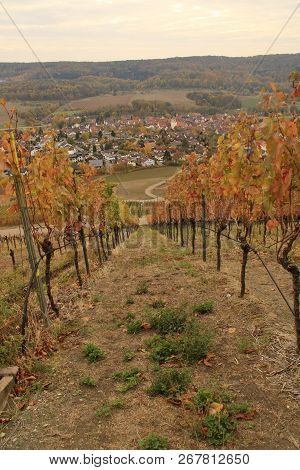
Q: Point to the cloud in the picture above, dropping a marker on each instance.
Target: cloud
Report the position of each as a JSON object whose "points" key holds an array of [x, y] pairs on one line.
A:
{"points": [[133, 29]]}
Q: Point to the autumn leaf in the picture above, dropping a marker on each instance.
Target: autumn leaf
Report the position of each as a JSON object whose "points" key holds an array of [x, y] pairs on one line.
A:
{"points": [[215, 408], [247, 416]]}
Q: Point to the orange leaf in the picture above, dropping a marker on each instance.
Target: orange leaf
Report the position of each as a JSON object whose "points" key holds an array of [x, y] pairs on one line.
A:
{"points": [[146, 326], [246, 416], [215, 408]]}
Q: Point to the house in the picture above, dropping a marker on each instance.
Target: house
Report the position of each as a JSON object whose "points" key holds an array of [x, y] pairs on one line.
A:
{"points": [[96, 163], [148, 162]]}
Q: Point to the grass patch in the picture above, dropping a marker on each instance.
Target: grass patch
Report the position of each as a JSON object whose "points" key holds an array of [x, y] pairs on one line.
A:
{"points": [[168, 321], [164, 349], [134, 326], [202, 399], [103, 411], [195, 344], [218, 429], [93, 353], [40, 367], [244, 345], [153, 442], [203, 308], [117, 403], [130, 379], [128, 356], [142, 288], [9, 349], [87, 381], [96, 298], [157, 304], [129, 301], [169, 382]]}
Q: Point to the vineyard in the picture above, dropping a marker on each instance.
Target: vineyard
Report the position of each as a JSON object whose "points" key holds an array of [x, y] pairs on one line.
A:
{"points": [[182, 334]]}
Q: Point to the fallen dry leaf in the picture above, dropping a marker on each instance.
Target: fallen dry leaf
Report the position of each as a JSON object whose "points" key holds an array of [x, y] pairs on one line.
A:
{"points": [[21, 405], [215, 408], [250, 351], [146, 326], [246, 416], [231, 330], [175, 401], [206, 360]]}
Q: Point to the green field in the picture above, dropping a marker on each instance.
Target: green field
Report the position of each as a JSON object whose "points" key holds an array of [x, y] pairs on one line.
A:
{"points": [[132, 185], [177, 98]]}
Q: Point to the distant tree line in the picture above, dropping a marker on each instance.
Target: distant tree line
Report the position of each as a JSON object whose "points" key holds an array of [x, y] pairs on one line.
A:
{"points": [[209, 103]]}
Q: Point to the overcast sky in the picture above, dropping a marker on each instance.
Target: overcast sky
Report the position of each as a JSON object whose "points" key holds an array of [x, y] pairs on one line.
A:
{"points": [[99, 30]]}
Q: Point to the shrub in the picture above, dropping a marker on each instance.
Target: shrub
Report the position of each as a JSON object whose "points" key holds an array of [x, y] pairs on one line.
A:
{"points": [[153, 442], [164, 349], [134, 327], [195, 344], [93, 353], [168, 321], [218, 428], [169, 382], [87, 381], [203, 308], [142, 288]]}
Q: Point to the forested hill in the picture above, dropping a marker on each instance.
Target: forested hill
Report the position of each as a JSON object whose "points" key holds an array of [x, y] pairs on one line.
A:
{"points": [[28, 81]]}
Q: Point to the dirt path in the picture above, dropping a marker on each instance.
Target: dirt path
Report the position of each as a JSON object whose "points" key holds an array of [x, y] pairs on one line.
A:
{"points": [[66, 415]]}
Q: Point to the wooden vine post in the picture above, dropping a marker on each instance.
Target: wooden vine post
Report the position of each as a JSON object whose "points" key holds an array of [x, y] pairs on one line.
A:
{"points": [[18, 184]]}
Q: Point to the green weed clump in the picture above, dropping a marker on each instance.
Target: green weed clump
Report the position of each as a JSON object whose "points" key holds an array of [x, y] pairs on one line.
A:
{"points": [[134, 327], [128, 356], [158, 304], [40, 367], [142, 288], [203, 308], [129, 301], [195, 344], [169, 382], [168, 321], [130, 379], [153, 442], [87, 381], [106, 408], [164, 350], [9, 349], [93, 353], [202, 399], [218, 429]]}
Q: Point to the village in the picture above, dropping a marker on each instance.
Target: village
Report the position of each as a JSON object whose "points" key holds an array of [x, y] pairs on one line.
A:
{"points": [[122, 144]]}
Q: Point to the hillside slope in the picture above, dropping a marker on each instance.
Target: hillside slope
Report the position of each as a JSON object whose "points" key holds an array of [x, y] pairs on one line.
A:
{"points": [[64, 414]]}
